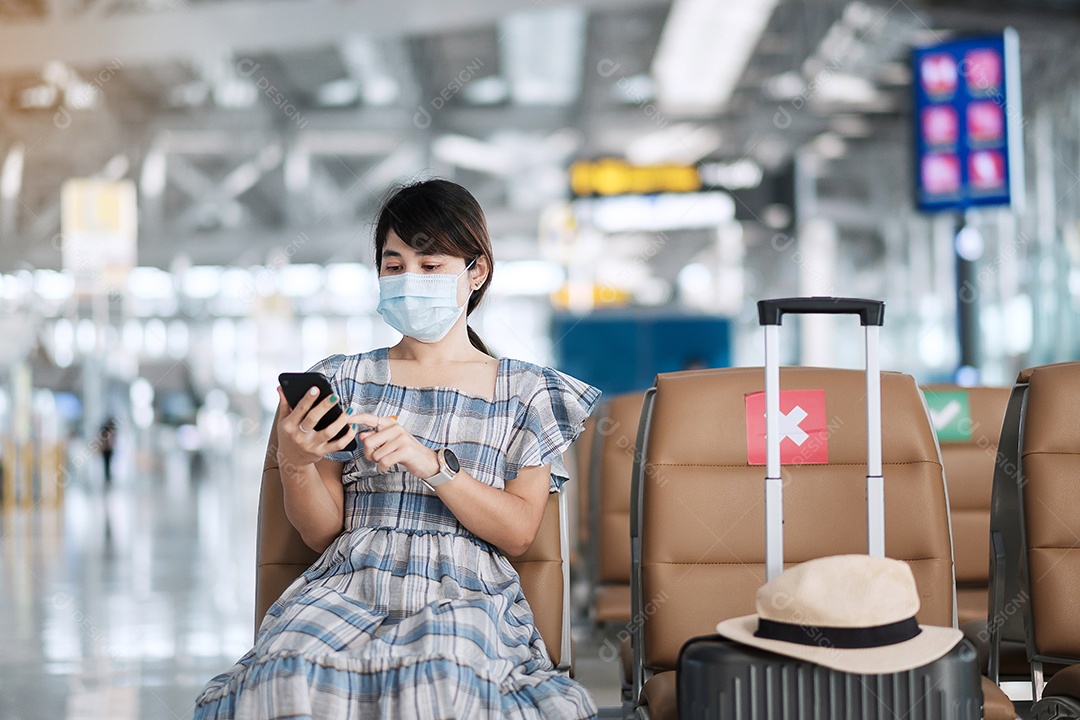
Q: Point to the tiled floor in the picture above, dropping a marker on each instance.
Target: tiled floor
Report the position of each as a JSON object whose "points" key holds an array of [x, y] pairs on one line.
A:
{"points": [[122, 603]]}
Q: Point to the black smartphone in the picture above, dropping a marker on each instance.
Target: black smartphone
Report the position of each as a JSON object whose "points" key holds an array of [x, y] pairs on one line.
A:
{"points": [[295, 385]]}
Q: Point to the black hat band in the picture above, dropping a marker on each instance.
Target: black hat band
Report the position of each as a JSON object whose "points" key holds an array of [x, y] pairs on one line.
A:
{"points": [[847, 638]]}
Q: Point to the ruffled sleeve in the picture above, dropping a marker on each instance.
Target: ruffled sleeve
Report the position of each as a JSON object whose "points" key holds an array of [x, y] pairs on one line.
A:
{"points": [[330, 368], [553, 410]]}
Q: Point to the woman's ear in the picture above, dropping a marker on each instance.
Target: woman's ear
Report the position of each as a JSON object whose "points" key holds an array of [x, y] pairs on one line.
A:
{"points": [[479, 273]]}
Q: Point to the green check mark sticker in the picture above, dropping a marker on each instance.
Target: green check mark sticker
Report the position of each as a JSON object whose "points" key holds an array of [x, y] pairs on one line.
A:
{"points": [[950, 411]]}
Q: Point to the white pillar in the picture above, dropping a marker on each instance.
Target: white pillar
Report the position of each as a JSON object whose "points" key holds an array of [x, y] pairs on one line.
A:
{"points": [[817, 276]]}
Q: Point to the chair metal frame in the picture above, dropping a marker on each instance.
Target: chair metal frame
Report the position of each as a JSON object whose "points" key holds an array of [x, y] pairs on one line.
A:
{"points": [[1005, 534], [566, 651], [639, 674]]}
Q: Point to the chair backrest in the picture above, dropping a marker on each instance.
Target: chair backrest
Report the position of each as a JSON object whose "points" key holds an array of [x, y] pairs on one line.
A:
{"points": [[281, 556], [609, 560], [618, 433], [582, 452], [698, 521], [1050, 511], [967, 421]]}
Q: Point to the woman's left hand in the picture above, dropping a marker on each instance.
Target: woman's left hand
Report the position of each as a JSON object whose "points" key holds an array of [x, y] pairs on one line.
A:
{"points": [[390, 444]]}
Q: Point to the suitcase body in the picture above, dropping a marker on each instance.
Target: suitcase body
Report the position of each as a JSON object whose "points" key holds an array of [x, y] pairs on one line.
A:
{"points": [[719, 678]]}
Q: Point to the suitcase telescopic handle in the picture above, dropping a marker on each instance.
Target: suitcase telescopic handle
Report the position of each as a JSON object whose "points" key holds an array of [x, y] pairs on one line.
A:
{"points": [[872, 315], [870, 312]]}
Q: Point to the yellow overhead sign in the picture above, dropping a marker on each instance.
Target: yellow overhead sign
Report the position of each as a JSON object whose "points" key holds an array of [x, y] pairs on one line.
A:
{"points": [[595, 296], [611, 176]]}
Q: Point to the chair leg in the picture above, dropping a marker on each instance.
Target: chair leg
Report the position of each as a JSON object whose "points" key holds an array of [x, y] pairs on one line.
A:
{"points": [[1038, 681], [997, 604]]}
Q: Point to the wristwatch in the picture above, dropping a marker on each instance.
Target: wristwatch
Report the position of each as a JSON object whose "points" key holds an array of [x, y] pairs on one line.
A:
{"points": [[448, 469]]}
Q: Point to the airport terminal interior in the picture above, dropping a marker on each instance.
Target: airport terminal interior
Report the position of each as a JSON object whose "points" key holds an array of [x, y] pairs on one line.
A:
{"points": [[189, 192]]}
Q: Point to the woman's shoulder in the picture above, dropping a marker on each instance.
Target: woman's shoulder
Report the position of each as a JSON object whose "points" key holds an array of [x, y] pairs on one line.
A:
{"points": [[529, 379], [526, 374]]}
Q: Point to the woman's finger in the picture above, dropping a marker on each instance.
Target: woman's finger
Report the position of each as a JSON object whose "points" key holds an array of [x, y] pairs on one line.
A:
{"points": [[307, 401], [345, 439], [369, 419], [328, 433], [384, 450], [313, 416], [283, 408]]}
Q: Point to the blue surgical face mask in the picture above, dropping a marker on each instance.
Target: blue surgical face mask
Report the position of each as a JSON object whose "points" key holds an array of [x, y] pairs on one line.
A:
{"points": [[421, 306]]}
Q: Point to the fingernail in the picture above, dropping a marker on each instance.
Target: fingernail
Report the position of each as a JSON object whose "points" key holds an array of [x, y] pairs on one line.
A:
{"points": [[313, 391], [393, 417], [333, 398], [355, 427], [349, 411]]}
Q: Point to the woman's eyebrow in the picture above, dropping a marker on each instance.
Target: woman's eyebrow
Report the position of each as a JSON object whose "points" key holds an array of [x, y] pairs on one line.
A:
{"points": [[429, 253]]}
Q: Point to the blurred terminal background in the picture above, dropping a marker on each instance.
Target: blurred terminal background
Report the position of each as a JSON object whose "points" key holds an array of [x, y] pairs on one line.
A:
{"points": [[187, 189]]}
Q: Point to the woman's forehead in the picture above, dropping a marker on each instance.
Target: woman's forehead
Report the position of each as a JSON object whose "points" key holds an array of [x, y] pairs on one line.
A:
{"points": [[394, 245]]}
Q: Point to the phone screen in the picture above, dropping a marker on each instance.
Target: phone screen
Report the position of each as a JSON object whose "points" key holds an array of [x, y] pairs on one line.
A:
{"points": [[294, 385]]}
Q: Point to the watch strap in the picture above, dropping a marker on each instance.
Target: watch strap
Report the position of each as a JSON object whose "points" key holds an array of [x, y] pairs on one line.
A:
{"points": [[443, 476]]}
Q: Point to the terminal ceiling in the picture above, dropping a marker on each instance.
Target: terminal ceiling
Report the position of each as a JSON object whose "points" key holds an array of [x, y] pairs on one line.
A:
{"points": [[249, 124]]}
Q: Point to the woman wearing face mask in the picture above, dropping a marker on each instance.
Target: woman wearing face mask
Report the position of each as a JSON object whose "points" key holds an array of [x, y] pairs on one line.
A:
{"points": [[413, 610]]}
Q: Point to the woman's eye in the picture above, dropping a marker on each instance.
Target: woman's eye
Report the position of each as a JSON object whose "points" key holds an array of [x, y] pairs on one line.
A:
{"points": [[431, 268], [391, 268]]}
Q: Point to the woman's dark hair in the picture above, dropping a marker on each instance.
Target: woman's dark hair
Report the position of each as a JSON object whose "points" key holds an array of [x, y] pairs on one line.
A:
{"points": [[438, 216]]}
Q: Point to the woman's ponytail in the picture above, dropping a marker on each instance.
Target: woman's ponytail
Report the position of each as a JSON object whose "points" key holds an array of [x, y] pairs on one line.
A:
{"points": [[477, 342]]}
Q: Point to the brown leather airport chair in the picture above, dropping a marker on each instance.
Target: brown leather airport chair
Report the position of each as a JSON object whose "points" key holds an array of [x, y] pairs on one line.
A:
{"points": [[968, 424], [616, 435], [281, 556], [581, 450], [698, 518], [1043, 490]]}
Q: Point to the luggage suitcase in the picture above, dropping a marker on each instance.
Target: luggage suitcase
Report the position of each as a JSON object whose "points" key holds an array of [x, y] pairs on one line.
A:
{"points": [[719, 678]]}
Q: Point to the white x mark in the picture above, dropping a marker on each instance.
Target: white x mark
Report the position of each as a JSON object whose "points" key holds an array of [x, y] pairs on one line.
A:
{"points": [[789, 425]]}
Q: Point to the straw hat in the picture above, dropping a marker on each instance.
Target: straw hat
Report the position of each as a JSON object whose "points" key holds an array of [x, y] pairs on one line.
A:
{"points": [[852, 613]]}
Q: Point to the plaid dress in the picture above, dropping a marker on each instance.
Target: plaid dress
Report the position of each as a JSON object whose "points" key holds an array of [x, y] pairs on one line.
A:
{"points": [[407, 614]]}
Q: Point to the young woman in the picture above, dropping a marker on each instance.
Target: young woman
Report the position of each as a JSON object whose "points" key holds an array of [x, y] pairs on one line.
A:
{"points": [[413, 610]]}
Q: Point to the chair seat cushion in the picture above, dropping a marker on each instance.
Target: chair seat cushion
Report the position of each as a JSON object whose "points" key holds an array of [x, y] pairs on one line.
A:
{"points": [[996, 704], [660, 694], [1065, 683]]}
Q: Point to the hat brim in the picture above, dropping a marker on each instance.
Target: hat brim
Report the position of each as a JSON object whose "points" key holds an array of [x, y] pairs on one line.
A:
{"points": [[929, 645]]}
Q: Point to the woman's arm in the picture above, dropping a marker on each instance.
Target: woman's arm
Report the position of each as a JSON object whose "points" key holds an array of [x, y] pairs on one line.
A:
{"points": [[313, 495], [314, 501], [507, 519]]}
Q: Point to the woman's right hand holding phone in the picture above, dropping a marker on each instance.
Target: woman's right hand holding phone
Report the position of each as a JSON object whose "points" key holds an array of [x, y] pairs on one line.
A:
{"points": [[298, 442]]}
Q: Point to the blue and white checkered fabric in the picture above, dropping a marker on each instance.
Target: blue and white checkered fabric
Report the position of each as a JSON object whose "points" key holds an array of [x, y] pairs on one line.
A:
{"points": [[407, 614]]}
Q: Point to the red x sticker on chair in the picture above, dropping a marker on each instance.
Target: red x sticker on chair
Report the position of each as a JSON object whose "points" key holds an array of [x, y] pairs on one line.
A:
{"points": [[803, 428]]}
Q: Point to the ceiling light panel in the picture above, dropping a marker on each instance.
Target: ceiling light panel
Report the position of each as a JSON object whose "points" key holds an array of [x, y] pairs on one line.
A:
{"points": [[541, 52], [704, 50]]}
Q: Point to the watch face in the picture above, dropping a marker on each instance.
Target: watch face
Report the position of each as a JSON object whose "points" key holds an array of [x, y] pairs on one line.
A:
{"points": [[451, 460]]}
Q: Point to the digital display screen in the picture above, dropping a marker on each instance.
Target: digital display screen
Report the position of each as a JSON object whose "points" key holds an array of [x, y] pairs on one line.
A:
{"points": [[968, 121]]}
